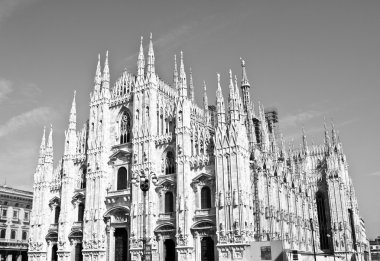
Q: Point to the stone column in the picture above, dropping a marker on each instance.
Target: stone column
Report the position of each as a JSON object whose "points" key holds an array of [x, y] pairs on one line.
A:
{"points": [[111, 247], [197, 247], [72, 252], [48, 250]]}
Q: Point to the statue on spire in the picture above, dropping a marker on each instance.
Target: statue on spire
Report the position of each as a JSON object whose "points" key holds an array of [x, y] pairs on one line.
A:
{"points": [[245, 86]]}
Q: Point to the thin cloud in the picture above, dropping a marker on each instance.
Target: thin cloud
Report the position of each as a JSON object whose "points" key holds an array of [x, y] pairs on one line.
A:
{"points": [[35, 116], [7, 7], [6, 87], [298, 119], [376, 173]]}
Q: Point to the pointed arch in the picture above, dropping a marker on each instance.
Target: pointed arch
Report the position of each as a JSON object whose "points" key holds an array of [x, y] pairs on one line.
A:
{"points": [[169, 162], [125, 125], [122, 178], [169, 202], [205, 197]]}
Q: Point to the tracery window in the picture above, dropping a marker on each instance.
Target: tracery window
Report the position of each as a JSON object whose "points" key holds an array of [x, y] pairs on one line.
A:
{"points": [[125, 128], [205, 197], [169, 163], [122, 178], [169, 202]]}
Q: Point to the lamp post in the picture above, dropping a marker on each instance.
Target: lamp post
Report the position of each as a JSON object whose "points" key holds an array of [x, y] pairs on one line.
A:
{"points": [[144, 186], [312, 236]]}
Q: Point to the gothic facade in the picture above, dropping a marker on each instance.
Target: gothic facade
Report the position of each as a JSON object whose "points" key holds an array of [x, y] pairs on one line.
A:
{"points": [[221, 178]]}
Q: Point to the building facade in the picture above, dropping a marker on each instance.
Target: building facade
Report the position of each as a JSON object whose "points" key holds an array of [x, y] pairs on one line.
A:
{"points": [[375, 249], [220, 177], [15, 209]]}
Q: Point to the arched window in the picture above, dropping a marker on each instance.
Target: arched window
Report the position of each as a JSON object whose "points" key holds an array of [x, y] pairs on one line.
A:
{"points": [[122, 178], [24, 235], [83, 178], [80, 212], [205, 198], [169, 163], [56, 214], [125, 128], [322, 220], [169, 202], [13, 234], [2, 233]]}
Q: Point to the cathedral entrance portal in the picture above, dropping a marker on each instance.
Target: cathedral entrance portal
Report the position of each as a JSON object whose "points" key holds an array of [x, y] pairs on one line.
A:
{"points": [[169, 250], [207, 249], [121, 244]]}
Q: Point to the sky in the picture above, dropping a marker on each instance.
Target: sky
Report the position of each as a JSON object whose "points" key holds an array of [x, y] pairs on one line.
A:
{"points": [[309, 59]]}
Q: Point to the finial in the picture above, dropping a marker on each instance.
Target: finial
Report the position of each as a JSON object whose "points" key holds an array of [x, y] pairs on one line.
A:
{"points": [[98, 74], [150, 70], [140, 61], [43, 140], [50, 140]]}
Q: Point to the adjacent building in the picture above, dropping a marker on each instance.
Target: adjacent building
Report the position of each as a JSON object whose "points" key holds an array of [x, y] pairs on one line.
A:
{"points": [[15, 208], [375, 249], [221, 184]]}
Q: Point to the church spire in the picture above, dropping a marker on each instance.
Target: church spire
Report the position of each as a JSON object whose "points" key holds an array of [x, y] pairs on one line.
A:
{"points": [[151, 59], [73, 115], [49, 147], [333, 133], [106, 73], [191, 86], [304, 142], [98, 76], [182, 78], [220, 110], [42, 148], [175, 74], [245, 86], [327, 138], [205, 98], [140, 61]]}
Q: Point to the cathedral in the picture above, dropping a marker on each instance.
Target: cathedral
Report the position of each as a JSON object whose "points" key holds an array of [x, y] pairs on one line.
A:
{"points": [[152, 175]]}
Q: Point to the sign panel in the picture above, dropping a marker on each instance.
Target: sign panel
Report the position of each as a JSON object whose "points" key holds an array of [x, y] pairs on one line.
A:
{"points": [[266, 253]]}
